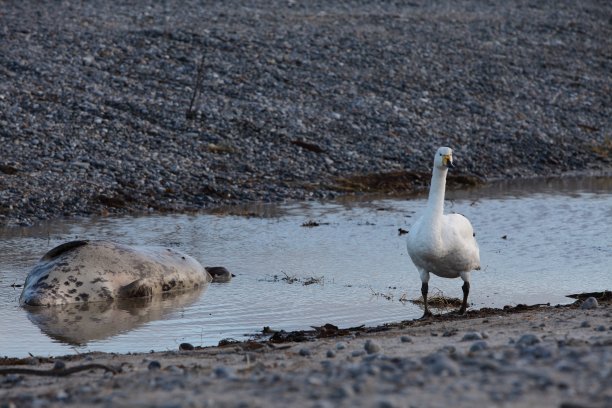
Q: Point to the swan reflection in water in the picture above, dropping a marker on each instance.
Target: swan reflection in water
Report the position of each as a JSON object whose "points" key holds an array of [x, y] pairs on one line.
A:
{"points": [[79, 323]]}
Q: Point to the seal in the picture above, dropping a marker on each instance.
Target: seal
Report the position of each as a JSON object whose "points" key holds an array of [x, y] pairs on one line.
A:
{"points": [[95, 271], [219, 274]]}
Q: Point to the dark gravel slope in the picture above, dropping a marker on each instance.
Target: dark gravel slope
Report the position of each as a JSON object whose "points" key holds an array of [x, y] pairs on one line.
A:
{"points": [[102, 108]]}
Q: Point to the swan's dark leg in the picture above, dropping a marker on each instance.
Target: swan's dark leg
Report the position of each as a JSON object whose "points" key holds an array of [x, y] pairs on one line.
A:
{"points": [[466, 292], [424, 290]]}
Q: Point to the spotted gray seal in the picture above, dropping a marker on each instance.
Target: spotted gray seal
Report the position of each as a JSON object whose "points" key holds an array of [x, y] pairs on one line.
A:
{"points": [[219, 274], [89, 271]]}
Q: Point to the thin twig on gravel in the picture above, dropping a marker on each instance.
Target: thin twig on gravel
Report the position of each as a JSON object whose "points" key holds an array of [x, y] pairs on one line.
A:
{"points": [[54, 372], [190, 114]]}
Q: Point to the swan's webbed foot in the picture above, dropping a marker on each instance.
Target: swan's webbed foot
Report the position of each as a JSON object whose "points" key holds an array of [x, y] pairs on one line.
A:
{"points": [[427, 315]]}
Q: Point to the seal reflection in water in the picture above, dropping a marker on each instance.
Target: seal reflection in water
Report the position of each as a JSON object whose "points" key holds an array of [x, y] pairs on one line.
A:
{"points": [[92, 271], [80, 323]]}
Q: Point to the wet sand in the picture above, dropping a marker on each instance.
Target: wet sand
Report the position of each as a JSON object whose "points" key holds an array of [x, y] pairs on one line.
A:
{"points": [[524, 356]]}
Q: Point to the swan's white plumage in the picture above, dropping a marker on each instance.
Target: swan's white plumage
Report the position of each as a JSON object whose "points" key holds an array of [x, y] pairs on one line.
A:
{"points": [[454, 252], [442, 244]]}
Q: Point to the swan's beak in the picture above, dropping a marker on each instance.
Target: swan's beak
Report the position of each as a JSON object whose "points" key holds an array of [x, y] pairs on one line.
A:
{"points": [[448, 161]]}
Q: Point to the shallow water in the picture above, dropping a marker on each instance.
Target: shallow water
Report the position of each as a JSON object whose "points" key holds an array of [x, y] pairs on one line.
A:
{"points": [[539, 240]]}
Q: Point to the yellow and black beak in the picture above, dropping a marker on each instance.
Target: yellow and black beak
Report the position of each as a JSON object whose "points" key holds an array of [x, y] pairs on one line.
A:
{"points": [[447, 160]]}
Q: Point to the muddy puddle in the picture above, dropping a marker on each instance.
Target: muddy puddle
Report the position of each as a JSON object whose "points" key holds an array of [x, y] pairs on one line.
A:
{"points": [[306, 264]]}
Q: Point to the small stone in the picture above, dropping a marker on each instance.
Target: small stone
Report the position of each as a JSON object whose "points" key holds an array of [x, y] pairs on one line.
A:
{"points": [[340, 345], [440, 363], [331, 354], [600, 328], [357, 353], [449, 332], [323, 404], [471, 336], [406, 339], [590, 303], [175, 369], [154, 365], [12, 379], [186, 347], [342, 392], [59, 365], [585, 323], [304, 352], [478, 346], [221, 372], [527, 340], [61, 395], [313, 380], [88, 60], [536, 352], [449, 349], [385, 404], [372, 347]]}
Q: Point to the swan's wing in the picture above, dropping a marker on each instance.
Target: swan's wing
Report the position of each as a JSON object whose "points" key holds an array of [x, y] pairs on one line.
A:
{"points": [[459, 224], [458, 237]]}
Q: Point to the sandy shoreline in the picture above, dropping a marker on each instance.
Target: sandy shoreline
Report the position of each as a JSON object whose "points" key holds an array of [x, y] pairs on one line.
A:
{"points": [[546, 356]]}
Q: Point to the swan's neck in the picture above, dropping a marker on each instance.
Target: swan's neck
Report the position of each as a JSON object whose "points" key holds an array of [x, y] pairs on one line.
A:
{"points": [[435, 202]]}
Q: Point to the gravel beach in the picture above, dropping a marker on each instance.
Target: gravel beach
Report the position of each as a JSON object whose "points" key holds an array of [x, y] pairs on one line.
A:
{"points": [[110, 108], [539, 356]]}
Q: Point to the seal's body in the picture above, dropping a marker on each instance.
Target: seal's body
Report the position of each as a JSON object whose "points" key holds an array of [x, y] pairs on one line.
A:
{"points": [[92, 271]]}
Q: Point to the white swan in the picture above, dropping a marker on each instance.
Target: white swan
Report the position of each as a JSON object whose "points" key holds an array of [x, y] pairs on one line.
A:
{"points": [[443, 244]]}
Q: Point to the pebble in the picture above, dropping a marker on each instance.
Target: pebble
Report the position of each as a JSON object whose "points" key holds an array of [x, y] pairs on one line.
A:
{"points": [[175, 369], [385, 404], [330, 354], [590, 303], [59, 365], [527, 340], [154, 365], [449, 332], [585, 323], [372, 347], [343, 392], [449, 349], [304, 352], [471, 336], [440, 363], [62, 395], [11, 379], [340, 345], [222, 372], [406, 339], [478, 346], [186, 347], [536, 352]]}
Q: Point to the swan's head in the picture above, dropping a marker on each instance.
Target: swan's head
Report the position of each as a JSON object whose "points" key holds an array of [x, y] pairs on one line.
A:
{"points": [[444, 158]]}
